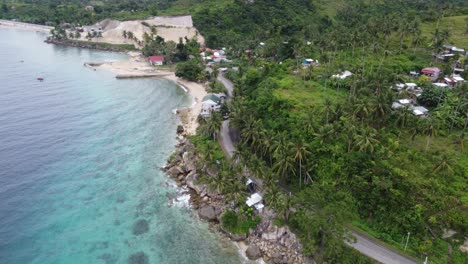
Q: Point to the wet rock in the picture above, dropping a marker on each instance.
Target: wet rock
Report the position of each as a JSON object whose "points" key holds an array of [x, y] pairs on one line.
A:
{"points": [[253, 252], [180, 129], [207, 213], [174, 171], [138, 258], [191, 179], [140, 227], [238, 237]]}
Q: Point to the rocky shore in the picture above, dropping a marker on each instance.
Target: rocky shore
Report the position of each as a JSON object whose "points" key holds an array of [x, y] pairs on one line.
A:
{"points": [[271, 243]]}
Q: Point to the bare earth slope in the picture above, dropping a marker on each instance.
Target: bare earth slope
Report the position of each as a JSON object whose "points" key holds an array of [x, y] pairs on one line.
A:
{"points": [[169, 28]]}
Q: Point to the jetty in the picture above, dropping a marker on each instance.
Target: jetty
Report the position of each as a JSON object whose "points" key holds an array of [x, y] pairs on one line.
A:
{"points": [[141, 75]]}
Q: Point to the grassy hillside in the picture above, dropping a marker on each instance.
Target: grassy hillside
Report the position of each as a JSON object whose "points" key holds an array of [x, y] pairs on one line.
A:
{"points": [[457, 26]]}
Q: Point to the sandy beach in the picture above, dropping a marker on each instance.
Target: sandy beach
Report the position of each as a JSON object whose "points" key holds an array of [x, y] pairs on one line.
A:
{"points": [[138, 65], [24, 26]]}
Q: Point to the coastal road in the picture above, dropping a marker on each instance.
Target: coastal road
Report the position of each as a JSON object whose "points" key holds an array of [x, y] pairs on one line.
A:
{"points": [[227, 83], [377, 252], [226, 139], [226, 134], [364, 245]]}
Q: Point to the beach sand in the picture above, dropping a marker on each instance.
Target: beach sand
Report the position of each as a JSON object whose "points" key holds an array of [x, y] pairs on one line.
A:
{"points": [[138, 65], [24, 26]]}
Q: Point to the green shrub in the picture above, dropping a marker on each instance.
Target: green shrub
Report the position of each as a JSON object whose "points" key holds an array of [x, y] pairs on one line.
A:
{"points": [[239, 223]]}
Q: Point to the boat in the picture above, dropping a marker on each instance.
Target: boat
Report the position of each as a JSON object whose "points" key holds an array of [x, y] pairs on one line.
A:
{"points": [[40, 79]]}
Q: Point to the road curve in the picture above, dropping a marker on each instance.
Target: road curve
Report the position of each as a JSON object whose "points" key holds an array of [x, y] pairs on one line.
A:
{"points": [[364, 245]]}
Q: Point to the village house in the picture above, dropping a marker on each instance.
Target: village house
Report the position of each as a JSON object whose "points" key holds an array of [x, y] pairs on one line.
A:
{"points": [[419, 111], [308, 62], [432, 72], [156, 60], [212, 103]]}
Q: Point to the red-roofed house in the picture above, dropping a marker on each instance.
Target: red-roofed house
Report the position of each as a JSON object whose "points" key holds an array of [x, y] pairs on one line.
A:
{"points": [[432, 72], [156, 60]]}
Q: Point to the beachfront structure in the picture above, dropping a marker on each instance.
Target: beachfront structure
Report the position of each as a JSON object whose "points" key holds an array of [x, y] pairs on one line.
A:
{"points": [[156, 60], [432, 72], [211, 103]]}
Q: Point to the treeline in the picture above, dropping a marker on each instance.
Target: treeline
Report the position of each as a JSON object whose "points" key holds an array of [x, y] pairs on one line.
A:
{"points": [[264, 20], [54, 12]]}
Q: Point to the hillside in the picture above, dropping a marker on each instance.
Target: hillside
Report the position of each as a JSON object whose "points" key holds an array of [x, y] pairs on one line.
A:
{"points": [[457, 27]]}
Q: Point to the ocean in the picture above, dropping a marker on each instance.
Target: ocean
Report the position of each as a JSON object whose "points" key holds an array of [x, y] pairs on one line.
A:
{"points": [[80, 158]]}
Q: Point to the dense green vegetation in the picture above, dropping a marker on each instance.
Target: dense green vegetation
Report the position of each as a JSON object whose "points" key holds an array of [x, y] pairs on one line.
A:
{"points": [[239, 223], [345, 156]]}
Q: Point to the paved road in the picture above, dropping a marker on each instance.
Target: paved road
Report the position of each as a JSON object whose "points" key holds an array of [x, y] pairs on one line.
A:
{"points": [[225, 136], [227, 83], [378, 252], [363, 244], [226, 139]]}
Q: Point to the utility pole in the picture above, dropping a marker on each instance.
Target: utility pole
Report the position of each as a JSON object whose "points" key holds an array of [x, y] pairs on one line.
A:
{"points": [[407, 239], [425, 261]]}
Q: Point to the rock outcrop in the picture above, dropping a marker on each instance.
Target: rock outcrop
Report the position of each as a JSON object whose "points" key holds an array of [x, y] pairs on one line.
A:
{"points": [[253, 252], [207, 213], [272, 243]]}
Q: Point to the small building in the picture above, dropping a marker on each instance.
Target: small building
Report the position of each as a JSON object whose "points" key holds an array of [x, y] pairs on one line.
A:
{"points": [[254, 199], [405, 101], [156, 60], [211, 103], [441, 85], [89, 8], [396, 105], [413, 74], [432, 72], [343, 75], [419, 111]]}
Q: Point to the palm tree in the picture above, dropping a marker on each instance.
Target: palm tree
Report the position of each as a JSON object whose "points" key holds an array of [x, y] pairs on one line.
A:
{"points": [[366, 140], [443, 166], [272, 196], [300, 154], [235, 191], [327, 107], [403, 117], [213, 125], [325, 133], [217, 183], [430, 129], [362, 109], [284, 206], [284, 162]]}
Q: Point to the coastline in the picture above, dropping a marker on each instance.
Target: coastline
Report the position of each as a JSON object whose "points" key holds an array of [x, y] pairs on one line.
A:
{"points": [[24, 26], [272, 244], [137, 66]]}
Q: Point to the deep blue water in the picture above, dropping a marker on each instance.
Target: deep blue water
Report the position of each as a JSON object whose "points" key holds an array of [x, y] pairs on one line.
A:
{"points": [[79, 163]]}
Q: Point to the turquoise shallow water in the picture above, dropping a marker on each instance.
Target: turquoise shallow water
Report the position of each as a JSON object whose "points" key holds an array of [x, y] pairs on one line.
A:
{"points": [[80, 154]]}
